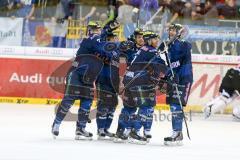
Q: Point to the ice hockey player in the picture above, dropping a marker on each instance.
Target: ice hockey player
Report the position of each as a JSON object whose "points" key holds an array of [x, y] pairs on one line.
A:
{"points": [[141, 79], [80, 80], [179, 52], [137, 39], [108, 80], [107, 86], [228, 93]]}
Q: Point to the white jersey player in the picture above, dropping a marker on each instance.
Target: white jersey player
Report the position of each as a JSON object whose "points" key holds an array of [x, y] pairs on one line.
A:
{"points": [[229, 93]]}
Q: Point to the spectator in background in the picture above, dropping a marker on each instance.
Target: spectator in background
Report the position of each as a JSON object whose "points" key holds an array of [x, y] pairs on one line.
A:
{"points": [[187, 11], [176, 8], [6, 8], [220, 1], [211, 15], [26, 8], [89, 14], [125, 14], [228, 10], [198, 10], [146, 8], [68, 8], [64, 10], [63, 13], [103, 17]]}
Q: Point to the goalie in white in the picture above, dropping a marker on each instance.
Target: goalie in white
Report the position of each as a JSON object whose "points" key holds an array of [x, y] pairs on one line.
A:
{"points": [[229, 93]]}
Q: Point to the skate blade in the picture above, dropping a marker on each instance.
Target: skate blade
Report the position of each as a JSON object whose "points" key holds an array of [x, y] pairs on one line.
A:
{"points": [[134, 141], [119, 140], [78, 137], [173, 143], [54, 136], [148, 140], [100, 138]]}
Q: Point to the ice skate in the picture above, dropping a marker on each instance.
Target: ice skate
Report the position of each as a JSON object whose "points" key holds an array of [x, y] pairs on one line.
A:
{"points": [[109, 135], [82, 134], [136, 138], [104, 134], [55, 130], [101, 134], [175, 139], [120, 137], [147, 135]]}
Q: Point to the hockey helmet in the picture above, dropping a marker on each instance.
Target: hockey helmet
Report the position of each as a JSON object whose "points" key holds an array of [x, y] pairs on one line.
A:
{"points": [[149, 35], [137, 31], [176, 26], [93, 25], [110, 35]]}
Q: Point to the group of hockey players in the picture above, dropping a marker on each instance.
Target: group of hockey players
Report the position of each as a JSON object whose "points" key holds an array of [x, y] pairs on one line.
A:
{"points": [[96, 65]]}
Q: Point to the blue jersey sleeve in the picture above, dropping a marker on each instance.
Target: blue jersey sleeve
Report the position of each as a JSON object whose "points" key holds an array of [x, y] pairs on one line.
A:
{"points": [[185, 71]]}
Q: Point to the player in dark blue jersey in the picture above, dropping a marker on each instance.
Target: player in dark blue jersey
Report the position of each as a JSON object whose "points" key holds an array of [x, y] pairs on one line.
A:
{"points": [[85, 69], [107, 86], [137, 39], [179, 52], [108, 81], [140, 81]]}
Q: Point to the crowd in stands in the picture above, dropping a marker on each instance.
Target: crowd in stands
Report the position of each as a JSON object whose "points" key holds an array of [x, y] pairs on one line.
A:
{"points": [[184, 11]]}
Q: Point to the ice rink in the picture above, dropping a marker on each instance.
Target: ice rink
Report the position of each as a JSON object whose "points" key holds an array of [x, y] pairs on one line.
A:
{"points": [[25, 135]]}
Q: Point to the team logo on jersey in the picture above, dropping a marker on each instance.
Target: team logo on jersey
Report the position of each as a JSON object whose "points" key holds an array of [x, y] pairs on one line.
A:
{"points": [[109, 47], [175, 64]]}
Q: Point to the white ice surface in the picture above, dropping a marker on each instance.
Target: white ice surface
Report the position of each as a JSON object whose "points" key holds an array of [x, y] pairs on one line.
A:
{"points": [[25, 135]]}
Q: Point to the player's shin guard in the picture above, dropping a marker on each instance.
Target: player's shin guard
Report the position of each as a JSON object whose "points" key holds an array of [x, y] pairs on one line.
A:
{"points": [[83, 112], [177, 117], [125, 117], [63, 108], [83, 117], [101, 117], [109, 122], [124, 122], [104, 120], [62, 111], [146, 116], [109, 117]]}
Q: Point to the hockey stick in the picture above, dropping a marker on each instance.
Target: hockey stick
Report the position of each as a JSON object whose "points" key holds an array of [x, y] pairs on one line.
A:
{"points": [[151, 19]]}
